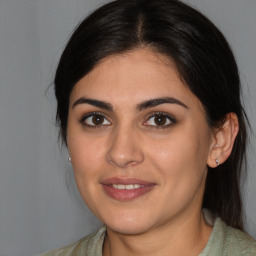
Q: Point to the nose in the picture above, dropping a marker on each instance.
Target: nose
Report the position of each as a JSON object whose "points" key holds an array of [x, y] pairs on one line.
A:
{"points": [[125, 149]]}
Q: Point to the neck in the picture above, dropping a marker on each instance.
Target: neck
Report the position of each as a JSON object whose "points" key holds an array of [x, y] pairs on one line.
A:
{"points": [[182, 237]]}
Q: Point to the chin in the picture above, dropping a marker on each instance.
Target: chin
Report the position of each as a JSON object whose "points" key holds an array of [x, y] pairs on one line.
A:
{"points": [[127, 229], [133, 224]]}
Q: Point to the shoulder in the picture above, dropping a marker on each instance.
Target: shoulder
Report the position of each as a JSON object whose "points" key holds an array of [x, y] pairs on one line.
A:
{"points": [[238, 242], [88, 245], [229, 241]]}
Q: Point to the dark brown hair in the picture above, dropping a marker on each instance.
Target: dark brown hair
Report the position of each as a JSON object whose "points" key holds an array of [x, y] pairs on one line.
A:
{"points": [[203, 59]]}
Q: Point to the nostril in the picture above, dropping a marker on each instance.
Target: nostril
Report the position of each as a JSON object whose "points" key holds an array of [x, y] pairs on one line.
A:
{"points": [[124, 149], [127, 159]]}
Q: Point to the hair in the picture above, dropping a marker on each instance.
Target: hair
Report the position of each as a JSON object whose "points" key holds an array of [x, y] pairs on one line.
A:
{"points": [[204, 62]]}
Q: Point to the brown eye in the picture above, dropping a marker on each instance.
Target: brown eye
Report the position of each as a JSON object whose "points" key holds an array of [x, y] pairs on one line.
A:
{"points": [[94, 120], [160, 120], [97, 119]]}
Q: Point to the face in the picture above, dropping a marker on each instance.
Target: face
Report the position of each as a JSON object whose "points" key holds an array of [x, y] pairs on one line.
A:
{"points": [[139, 143]]}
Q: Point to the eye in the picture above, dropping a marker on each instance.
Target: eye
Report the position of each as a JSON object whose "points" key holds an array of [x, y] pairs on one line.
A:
{"points": [[160, 120], [94, 120]]}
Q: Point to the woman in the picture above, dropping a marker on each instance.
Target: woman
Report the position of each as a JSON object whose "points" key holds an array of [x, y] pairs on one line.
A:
{"points": [[149, 107]]}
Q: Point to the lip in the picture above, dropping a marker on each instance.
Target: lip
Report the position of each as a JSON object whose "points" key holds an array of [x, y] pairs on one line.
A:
{"points": [[124, 194]]}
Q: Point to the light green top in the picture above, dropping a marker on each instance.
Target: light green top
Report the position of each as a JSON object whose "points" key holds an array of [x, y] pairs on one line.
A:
{"points": [[224, 241]]}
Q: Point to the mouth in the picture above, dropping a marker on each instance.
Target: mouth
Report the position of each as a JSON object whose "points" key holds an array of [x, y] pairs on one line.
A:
{"points": [[126, 189]]}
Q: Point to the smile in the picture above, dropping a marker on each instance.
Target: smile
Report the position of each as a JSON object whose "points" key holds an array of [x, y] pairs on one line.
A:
{"points": [[127, 187]]}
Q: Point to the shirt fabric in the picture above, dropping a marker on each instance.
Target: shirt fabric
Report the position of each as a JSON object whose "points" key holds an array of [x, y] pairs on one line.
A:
{"points": [[223, 241]]}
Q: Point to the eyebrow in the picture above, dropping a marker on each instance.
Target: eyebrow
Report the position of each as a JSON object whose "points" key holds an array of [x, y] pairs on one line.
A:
{"points": [[141, 106], [93, 102], [155, 102]]}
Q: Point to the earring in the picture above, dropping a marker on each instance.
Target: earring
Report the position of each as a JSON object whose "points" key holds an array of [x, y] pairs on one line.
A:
{"points": [[217, 162], [69, 159]]}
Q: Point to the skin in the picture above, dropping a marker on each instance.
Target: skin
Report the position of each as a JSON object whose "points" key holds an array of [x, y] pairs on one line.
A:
{"points": [[130, 144]]}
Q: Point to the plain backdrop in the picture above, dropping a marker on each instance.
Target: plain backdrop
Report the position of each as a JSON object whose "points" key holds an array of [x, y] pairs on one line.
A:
{"points": [[37, 211]]}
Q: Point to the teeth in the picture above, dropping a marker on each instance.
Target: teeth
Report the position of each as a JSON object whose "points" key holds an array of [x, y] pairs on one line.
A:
{"points": [[129, 186]]}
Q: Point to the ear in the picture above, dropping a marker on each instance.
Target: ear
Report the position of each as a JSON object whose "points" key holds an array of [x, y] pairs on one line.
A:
{"points": [[223, 141]]}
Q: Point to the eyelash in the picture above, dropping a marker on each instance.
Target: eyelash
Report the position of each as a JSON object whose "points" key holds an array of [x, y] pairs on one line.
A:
{"points": [[171, 119], [85, 117]]}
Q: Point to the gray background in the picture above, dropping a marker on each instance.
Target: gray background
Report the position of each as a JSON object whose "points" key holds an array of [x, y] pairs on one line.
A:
{"points": [[37, 212]]}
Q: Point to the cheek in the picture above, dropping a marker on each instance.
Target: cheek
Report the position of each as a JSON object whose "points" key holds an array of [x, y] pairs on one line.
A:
{"points": [[182, 156], [87, 154], [172, 151]]}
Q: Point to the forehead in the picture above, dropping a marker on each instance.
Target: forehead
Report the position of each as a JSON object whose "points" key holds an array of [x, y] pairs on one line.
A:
{"points": [[132, 77]]}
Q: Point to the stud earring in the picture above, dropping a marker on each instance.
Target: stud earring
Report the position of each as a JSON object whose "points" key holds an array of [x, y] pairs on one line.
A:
{"points": [[217, 162], [69, 159]]}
